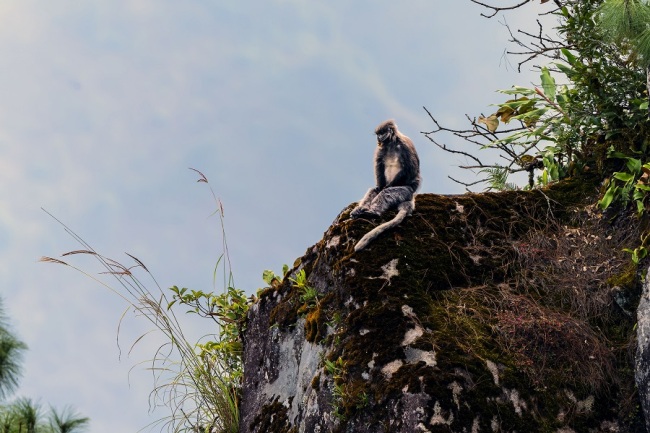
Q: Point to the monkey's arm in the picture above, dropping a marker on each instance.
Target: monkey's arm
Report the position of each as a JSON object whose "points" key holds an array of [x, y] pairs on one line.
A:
{"points": [[380, 167], [380, 175]]}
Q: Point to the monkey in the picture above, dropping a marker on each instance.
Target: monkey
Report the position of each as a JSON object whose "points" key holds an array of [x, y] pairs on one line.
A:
{"points": [[397, 174]]}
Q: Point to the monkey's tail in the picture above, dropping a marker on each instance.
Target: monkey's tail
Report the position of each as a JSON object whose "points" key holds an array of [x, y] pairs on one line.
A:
{"points": [[404, 209]]}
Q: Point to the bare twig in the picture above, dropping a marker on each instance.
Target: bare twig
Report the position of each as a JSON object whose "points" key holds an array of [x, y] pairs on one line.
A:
{"points": [[496, 9], [478, 135]]}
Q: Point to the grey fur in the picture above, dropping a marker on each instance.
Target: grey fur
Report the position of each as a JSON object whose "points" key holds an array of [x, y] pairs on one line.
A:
{"points": [[397, 173]]}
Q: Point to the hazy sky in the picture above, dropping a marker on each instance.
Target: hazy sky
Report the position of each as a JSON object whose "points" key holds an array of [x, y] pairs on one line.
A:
{"points": [[105, 104]]}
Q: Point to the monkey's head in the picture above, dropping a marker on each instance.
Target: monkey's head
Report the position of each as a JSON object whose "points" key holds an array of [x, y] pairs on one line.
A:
{"points": [[386, 131]]}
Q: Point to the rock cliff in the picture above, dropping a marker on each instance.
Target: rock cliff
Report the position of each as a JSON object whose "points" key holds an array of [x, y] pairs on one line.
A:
{"points": [[495, 312]]}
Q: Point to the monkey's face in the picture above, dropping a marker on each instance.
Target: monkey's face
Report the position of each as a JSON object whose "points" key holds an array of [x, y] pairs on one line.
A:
{"points": [[385, 134], [386, 131]]}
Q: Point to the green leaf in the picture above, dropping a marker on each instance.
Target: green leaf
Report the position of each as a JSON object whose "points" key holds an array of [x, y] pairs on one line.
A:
{"points": [[526, 105], [568, 55], [520, 105], [633, 165], [548, 83], [638, 194], [609, 196], [518, 90], [268, 276], [624, 176], [531, 117], [566, 70], [611, 153]]}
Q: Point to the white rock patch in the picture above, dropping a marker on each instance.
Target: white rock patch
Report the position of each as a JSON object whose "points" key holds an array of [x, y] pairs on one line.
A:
{"points": [[517, 402], [438, 418], [417, 355], [582, 406], [456, 389], [333, 242], [407, 311], [475, 426], [294, 380], [495, 424], [411, 335], [494, 370], [391, 368], [390, 271]]}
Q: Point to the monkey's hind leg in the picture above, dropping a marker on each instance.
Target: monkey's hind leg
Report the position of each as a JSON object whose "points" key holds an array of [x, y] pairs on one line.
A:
{"points": [[362, 208], [389, 198]]}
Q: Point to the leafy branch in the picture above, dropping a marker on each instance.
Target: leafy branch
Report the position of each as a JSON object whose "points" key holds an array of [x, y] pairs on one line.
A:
{"points": [[535, 142], [557, 130]]}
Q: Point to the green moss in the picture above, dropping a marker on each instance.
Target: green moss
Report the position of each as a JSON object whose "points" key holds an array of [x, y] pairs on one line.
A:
{"points": [[315, 382], [285, 313], [626, 279], [350, 396], [312, 325]]}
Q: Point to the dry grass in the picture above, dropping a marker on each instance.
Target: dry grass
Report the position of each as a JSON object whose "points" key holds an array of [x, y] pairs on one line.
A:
{"points": [[552, 346], [199, 391], [572, 266]]}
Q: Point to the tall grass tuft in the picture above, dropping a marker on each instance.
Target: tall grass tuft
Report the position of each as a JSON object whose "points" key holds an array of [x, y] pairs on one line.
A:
{"points": [[200, 383]]}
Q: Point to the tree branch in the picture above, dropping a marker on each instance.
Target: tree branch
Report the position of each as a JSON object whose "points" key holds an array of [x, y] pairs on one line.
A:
{"points": [[497, 9]]}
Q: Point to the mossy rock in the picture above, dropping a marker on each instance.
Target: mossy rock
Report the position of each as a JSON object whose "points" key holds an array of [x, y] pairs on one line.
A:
{"points": [[462, 319]]}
